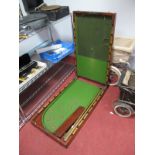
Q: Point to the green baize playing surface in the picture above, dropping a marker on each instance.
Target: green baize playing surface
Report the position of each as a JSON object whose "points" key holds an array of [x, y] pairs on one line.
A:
{"points": [[78, 93]]}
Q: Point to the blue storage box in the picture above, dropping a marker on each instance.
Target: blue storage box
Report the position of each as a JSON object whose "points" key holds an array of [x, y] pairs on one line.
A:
{"points": [[56, 57]]}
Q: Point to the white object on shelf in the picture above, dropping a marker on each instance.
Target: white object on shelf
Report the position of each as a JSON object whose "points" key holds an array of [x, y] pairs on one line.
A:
{"points": [[48, 48], [33, 77], [122, 49], [58, 51]]}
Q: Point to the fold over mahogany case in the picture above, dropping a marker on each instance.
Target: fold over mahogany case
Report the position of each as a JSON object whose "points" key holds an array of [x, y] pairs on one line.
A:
{"points": [[62, 117]]}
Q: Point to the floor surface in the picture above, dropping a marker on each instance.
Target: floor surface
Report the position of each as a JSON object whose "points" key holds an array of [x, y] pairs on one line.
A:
{"points": [[103, 134]]}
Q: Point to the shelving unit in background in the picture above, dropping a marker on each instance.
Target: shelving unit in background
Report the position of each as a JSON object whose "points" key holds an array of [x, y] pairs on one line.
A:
{"points": [[34, 93]]}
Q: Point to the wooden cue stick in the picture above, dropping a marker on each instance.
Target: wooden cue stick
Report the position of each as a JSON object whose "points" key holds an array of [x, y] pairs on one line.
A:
{"points": [[73, 129], [69, 122]]}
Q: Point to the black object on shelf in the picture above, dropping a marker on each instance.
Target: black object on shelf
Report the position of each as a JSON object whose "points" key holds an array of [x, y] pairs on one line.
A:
{"points": [[26, 64], [30, 5], [52, 14], [57, 13], [27, 69], [24, 60]]}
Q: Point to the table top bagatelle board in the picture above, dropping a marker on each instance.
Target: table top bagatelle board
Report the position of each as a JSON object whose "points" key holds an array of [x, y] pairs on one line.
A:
{"points": [[63, 116]]}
